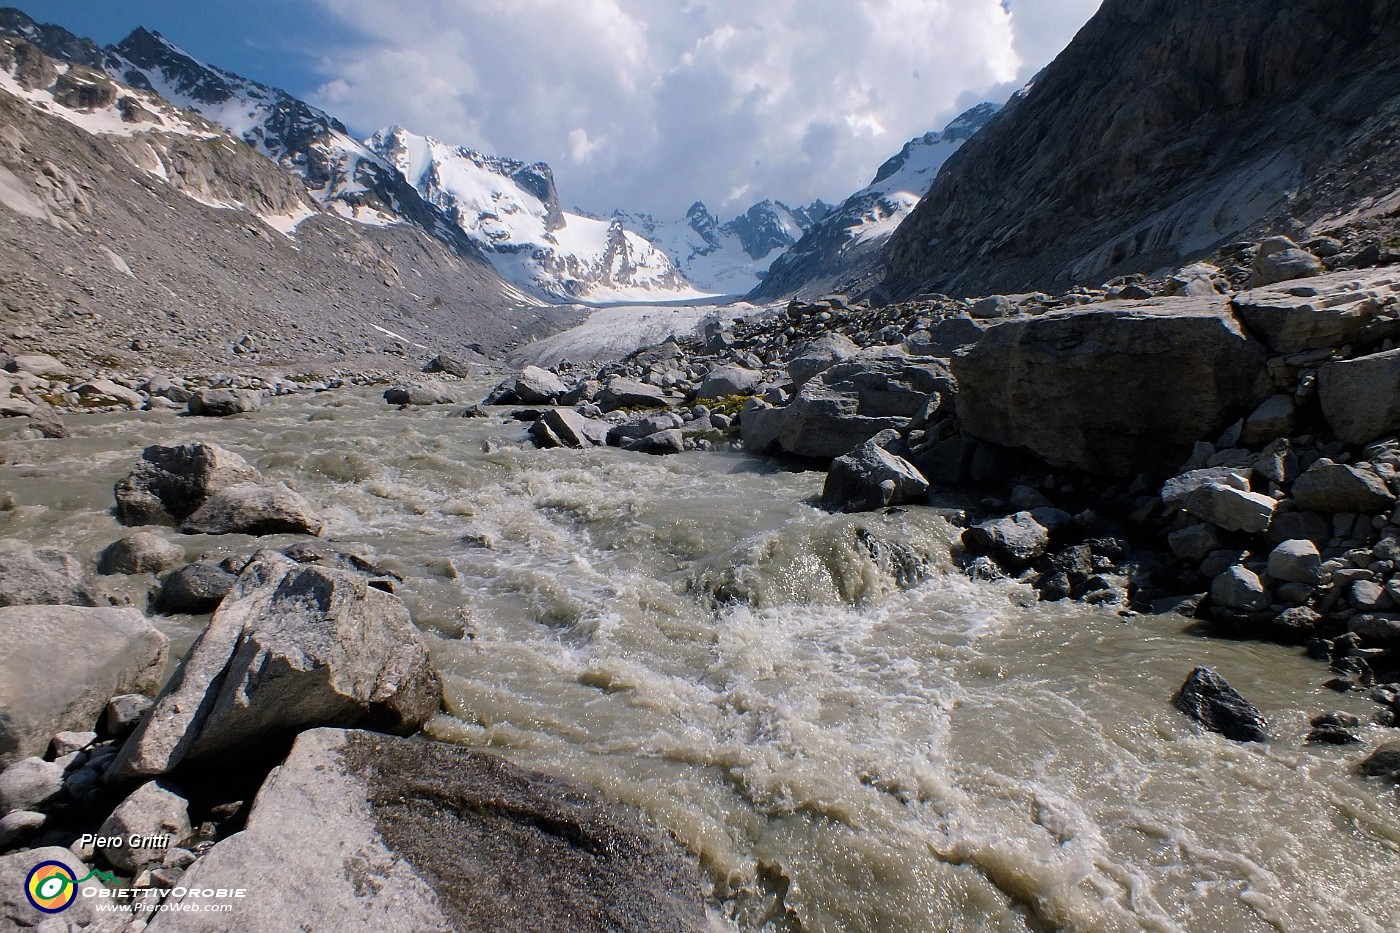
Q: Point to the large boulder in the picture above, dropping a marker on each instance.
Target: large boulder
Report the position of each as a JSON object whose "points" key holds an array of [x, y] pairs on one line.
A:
{"points": [[1279, 259], [725, 381], [1117, 389], [1208, 699], [59, 665], [534, 386], [195, 588], [170, 483], [254, 509], [564, 427], [848, 404], [220, 403], [140, 552], [1232, 509], [154, 809], [1341, 487], [47, 576], [1014, 541], [621, 392], [291, 647], [408, 834], [869, 478], [821, 354], [1361, 397], [659, 444], [1328, 312], [419, 392]]}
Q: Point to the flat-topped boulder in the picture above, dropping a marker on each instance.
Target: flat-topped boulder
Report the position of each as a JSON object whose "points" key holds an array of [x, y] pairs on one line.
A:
{"points": [[1323, 311], [1361, 397], [1118, 389], [364, 832]]}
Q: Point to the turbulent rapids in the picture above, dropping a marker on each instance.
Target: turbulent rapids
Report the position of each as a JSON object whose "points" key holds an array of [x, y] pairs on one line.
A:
{"points": [[850, 733]]}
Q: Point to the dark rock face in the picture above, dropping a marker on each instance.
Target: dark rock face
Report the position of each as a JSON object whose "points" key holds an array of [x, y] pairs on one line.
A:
{"points": [[1213, 703], [418, 835], [1164, 128], [1115, 390]]}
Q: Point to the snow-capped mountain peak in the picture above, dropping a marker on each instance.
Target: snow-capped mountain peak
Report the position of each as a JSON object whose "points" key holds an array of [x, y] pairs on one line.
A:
{"points": [[511, 209]]}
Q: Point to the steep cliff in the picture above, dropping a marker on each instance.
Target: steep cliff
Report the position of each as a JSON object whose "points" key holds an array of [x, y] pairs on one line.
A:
{"points": [[1167, 128]]}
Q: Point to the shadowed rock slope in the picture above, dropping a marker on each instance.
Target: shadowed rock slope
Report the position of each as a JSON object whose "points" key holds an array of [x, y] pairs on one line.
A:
{"points": [[1167, 128]]}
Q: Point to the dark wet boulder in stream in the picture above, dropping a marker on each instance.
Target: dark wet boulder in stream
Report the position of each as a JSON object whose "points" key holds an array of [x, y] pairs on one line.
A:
{"points": [[1217, 706]]}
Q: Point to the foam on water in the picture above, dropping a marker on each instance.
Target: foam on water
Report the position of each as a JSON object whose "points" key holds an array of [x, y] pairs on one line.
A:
{"points": [[851, 735]]}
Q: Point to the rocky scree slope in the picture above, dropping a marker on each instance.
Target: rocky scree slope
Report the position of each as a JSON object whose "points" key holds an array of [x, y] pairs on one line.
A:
{"points": [[844, 248], [136, 227], [1166, 129]]}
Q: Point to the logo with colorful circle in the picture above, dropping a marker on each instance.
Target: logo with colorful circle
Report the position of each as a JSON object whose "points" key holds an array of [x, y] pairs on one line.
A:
{"points": [[51, 886]]}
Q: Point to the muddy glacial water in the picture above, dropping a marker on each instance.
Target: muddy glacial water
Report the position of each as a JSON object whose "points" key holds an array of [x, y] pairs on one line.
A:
{"points": [[848, 733]]}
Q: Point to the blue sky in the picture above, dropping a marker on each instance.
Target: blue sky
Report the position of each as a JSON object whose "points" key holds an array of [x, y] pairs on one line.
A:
{"points": [[277, 42], [644, 105]]}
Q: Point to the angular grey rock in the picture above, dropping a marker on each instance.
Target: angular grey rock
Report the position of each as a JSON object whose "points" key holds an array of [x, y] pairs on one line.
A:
{"points": [[446, 363], [292, 647], [1274, 418], [220, 403], [1213, 703], [1194, 542], [1280, 260], [534, 386], [1116, 389], [29, 784], [418, 835], [124, 712], [1361, 397], [254, 509], [140, 552], [946, 337], [1198, 280], [1333, 313], [1014, 541], [65, 743], [1177, 490], [154, 809], [990, 307], [45, 419], [37, 364], [1232, 509], [621, 392], [1296, 561], [195, 588], [570, 428], [1340, 487], [659, 444], [169, 483], [848, 404], [48, 576], [105, 652], [817, 355], [420, 392], [726, 381], [869, 478], [1239, 589]]}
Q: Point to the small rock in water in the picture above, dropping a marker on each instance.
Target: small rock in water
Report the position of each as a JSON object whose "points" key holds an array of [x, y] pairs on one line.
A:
{"points": [[1384, 762], [1334, 729], [1213, 703], [140, 552]]}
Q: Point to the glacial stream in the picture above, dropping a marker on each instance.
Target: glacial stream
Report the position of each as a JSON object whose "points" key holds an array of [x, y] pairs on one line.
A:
{"points": [[690, 636]]}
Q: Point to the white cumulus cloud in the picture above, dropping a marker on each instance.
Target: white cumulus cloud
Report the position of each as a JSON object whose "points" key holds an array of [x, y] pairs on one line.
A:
{"points": [[651, 104]]}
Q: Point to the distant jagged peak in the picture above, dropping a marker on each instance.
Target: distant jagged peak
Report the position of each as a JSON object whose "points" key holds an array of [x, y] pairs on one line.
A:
{"points": [[53, 41], [962, 128]]}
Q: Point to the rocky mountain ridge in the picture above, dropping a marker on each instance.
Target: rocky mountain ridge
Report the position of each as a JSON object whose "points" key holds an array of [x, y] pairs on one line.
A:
{"points": [[845, 246], [1164, 131]]}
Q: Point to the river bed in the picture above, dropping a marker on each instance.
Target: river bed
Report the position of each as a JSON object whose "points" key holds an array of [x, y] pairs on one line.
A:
{"points": [[849, 733]]}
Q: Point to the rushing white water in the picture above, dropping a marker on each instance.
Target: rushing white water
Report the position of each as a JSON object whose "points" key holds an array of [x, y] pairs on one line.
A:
{"points": [[851, 735]]}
